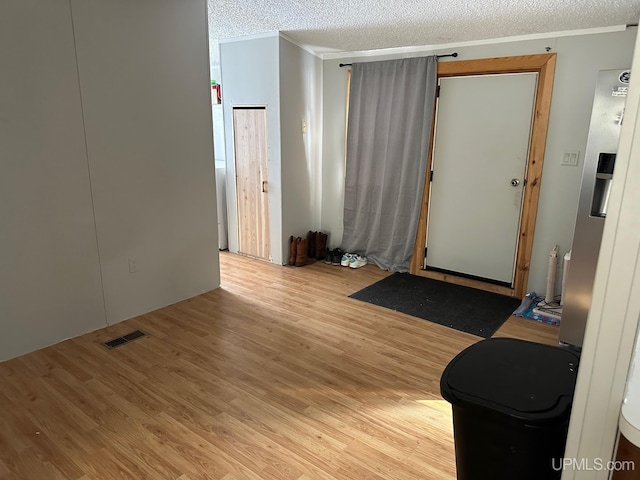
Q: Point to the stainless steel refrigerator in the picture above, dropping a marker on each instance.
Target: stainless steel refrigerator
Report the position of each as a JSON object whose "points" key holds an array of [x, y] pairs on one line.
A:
{"points": [[598, 169]]}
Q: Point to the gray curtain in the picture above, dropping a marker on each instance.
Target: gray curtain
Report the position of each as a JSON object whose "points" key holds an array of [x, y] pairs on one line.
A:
{"points": [[390, 113]]}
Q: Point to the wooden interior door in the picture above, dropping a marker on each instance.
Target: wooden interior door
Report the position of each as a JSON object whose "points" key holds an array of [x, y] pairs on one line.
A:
{"points": [[251, 159]]}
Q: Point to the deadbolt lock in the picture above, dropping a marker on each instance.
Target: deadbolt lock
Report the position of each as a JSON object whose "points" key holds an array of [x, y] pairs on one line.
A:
{"points": [[515, 182]]}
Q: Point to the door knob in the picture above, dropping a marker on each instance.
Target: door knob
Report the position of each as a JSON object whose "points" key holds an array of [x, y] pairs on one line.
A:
{"points": [[515, 182]]}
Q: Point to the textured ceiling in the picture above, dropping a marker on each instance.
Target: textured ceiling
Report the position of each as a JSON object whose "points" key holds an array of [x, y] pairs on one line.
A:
{"points": [[352, 25]]}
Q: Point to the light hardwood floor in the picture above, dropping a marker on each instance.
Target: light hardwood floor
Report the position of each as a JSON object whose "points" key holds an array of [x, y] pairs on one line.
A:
{"points": [[276, 375]]}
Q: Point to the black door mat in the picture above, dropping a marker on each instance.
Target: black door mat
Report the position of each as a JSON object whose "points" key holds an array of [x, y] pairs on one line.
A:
{"points": [[463, 308]]}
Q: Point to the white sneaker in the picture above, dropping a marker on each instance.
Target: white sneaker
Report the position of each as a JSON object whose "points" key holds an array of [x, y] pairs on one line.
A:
{"points": [[357, 261], [345, 259]]}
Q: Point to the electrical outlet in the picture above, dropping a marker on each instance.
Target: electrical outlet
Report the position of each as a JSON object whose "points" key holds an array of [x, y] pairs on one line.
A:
{"points": [[133, 266], [570, 158]]}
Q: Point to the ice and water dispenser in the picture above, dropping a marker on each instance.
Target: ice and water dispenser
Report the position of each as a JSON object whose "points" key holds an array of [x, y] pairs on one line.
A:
{"points": [[602, 186]]}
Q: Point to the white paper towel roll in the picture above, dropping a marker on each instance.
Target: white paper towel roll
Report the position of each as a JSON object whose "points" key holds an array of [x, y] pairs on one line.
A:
{"points": [[565, 272], [551, 275]]}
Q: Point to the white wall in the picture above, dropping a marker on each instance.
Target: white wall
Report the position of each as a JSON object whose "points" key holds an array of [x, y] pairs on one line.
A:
{"points": [[300, 100], [50, 286], [579, 59], [148, 173], [216, 74], [250, 76], [145, 91]]}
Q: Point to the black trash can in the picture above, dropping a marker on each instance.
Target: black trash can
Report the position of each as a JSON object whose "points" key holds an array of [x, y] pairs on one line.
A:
{"points": [[511, 402]]}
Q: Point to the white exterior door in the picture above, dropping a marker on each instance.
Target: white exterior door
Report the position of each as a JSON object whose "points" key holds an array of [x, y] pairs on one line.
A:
{"points": [[483, 128]]}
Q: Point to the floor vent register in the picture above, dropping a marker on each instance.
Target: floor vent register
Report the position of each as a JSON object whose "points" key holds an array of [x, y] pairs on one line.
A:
{"points": [[124, 339]]}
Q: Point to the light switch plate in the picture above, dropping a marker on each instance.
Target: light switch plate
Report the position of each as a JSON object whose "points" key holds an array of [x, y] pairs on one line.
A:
{"points": [[570, 158]]}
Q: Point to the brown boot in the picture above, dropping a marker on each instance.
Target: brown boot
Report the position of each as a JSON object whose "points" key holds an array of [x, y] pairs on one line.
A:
{"points": [[293, 249], [301, 253], [321, 246], [311, 244]]}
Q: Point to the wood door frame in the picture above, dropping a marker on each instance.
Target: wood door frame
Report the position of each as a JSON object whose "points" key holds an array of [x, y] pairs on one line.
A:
{"points": [[544, 66]]}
